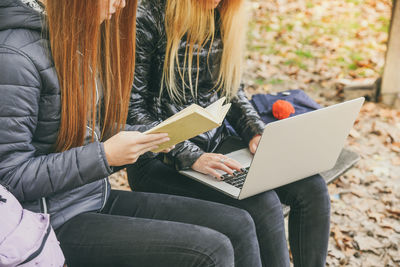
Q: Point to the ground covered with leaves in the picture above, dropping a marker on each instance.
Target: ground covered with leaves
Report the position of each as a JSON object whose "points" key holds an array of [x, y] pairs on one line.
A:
{"points": [[318, 46]]}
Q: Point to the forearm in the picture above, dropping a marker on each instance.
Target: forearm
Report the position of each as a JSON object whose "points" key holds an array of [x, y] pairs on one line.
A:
{"points": [[37, 177], [244, 118]]}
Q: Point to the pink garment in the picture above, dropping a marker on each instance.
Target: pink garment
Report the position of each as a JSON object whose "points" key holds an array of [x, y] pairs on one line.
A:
{"points": [[26, 238]]}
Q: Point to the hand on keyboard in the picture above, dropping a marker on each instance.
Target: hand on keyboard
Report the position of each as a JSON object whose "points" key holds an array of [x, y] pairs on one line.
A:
{"points": [[237, 178], [211, 163]]}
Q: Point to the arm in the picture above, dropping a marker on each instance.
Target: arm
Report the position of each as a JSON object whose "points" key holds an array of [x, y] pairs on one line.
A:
{"points": [[27, 175], [185, 154], [244, 118], [146, 46]]}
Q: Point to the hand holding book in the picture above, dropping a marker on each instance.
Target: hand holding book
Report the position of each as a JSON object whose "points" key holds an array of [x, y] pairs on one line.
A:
{"points": [[190, 122]]}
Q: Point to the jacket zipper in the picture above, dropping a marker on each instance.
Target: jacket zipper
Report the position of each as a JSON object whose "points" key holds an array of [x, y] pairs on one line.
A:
{"points": [[105, 179], [40, 249], [105, 193], [98, 139], [44, 203]]}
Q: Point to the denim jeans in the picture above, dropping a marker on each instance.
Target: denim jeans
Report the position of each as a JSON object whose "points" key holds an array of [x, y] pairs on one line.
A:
{"points": [[309, 217], [144, 229]]}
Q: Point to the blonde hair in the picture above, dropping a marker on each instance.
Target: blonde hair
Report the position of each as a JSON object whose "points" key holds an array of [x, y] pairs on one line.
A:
{"points": [[107, 49], [195, 20]]}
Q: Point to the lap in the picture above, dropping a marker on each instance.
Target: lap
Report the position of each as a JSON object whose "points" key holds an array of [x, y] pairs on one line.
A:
{"points": [[173, 208], [140, 229], [94, 239], [150, 228], [310, 189], [155, 176]]}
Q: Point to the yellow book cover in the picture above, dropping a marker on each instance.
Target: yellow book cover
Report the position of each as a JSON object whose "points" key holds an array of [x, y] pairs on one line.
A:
{"points": [[190, 122]]}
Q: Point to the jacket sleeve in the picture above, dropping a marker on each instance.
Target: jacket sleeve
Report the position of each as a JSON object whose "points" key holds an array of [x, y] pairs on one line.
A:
{"points": [[185, 155], [28, 175], [146, 46], [244, 118]]}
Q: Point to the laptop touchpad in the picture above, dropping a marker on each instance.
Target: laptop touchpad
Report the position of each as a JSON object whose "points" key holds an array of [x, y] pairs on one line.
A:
{"points": [[243, 156]]}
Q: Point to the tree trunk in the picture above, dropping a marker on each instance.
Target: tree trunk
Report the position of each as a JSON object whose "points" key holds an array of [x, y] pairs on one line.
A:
{"points": [[391, 75]]}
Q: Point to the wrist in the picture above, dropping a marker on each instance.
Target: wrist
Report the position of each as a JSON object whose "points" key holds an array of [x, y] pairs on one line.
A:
{"points": [[105, 157]]}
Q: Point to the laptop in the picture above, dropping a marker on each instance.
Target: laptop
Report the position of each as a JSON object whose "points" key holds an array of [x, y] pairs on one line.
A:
{"points": [[289, 150]]}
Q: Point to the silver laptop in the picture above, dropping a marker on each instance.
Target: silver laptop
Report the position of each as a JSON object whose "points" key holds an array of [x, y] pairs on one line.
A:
{"points": [[289, 150]]}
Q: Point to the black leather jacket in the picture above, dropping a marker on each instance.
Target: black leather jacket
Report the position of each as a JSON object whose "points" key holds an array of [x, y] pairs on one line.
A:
{"points": [[147, 107]]}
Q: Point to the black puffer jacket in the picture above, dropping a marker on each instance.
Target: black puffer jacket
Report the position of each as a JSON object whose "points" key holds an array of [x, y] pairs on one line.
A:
{"points": [[63, 184], [146, 106]]}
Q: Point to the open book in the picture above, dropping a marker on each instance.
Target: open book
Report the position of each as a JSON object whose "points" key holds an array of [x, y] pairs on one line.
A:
{"points": [[190, 122]]}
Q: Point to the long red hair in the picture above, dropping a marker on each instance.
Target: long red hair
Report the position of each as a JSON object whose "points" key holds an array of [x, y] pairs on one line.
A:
{"points": [[85, 51]]}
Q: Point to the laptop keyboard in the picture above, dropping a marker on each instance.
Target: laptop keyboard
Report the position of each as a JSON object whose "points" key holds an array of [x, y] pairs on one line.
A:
{"points": [[237, 179]]}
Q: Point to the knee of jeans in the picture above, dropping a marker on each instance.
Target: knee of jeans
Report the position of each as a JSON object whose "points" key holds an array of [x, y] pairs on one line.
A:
{"points": [[268, 202], [313, 191], [225, 253], [238, 217], [245, 218], [215, 250]]}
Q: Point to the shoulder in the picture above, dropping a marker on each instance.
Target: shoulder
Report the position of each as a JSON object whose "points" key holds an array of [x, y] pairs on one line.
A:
{"points": [[152, 5], [27, 44], [150, 26], [151, 11]]}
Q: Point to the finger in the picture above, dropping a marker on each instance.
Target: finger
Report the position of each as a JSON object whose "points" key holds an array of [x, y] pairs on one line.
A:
{"points": [[144, 147], [233, 164], [143, 151], [222, 167], [133, 160], [213, 172], [253, 148], [148, 138], [168, 149]]}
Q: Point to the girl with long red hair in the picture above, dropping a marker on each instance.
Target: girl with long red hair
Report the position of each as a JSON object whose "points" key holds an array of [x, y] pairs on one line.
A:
{"points": [[192, 51], [66, 72]]}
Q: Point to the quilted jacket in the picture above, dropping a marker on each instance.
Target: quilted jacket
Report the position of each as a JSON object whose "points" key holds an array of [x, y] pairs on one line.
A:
{"points": [[148, 108], [61, 184]]}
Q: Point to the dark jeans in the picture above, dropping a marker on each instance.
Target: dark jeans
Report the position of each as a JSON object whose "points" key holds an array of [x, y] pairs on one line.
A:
{"points": [[308, 219], [144, 229]]}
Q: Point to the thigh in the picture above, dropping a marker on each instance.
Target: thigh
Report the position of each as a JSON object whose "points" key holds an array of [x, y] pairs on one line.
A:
{"points": [[152, 175], [305, 192], [155, 176], [265, 209], [221, 218], [94, 239], [173, 208]]}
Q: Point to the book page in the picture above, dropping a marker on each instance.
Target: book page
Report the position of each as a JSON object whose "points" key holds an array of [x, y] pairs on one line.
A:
{"points": [[191, 122], [176, 116], [187, 127], [224, 111], [215, 108]]}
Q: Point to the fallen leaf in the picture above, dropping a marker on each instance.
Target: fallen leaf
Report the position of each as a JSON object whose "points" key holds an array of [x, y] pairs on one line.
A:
{"points": [[394, 212], [366, 243]]}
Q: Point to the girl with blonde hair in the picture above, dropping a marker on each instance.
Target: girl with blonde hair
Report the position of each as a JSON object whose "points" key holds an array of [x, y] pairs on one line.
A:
{"points": [[66, 75], [191, 51]]}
